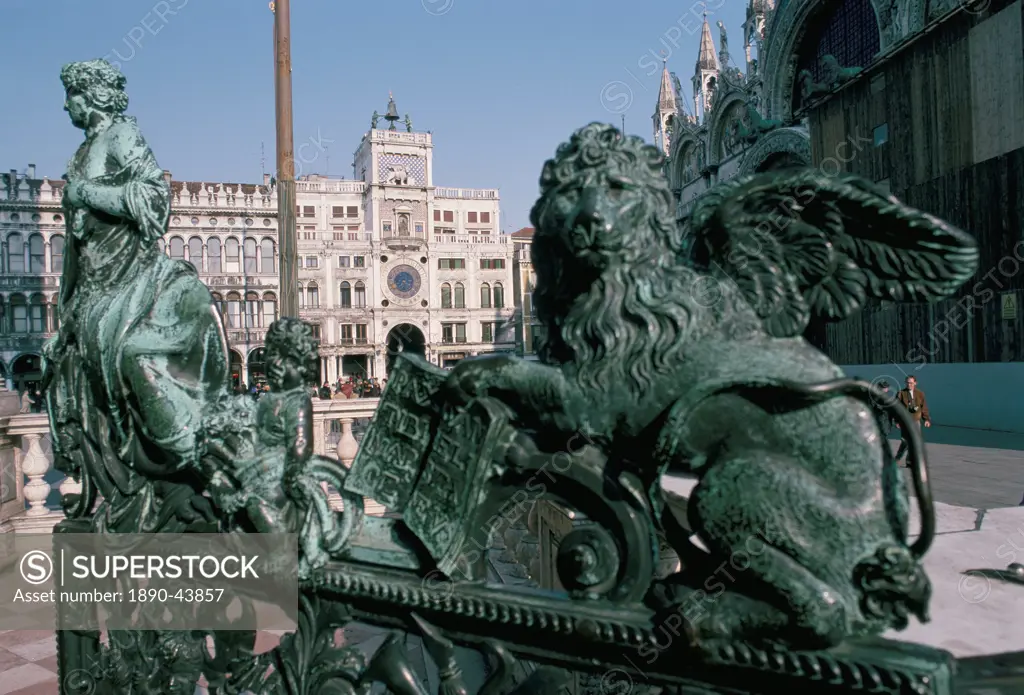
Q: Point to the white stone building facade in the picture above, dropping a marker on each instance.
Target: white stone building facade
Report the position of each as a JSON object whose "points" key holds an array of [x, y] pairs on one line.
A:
{"points": [[388, 262], [227, 231]]}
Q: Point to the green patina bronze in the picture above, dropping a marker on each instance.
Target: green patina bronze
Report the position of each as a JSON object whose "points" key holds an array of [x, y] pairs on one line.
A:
{"points": [[140, 350], [667, 350], [758, 126]]}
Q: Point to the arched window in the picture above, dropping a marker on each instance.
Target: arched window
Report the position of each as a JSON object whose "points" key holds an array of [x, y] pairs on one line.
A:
{"points": [[360, 298], [312, 296], [231, 260], [346, 295], [57, 253], [460, 296], [54, 314], [213, 255], [251, 251], [195, 253], [848, 30], [37, 314], [267, 256], [234, 310], [3, 321], [499, 296], [15, 253], [269, 308], [36, 254], [177, 247], [252, 310], [19, 313], [218, 301], [485, 296], [446, 296]]}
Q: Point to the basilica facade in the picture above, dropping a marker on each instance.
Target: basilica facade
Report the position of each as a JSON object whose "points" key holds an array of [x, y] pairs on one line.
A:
{"points": [[748, 111], [924, 99], [388, 261]]}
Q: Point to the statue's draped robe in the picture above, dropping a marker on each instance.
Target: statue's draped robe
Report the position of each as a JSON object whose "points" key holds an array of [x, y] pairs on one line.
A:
{"points": [[141, 349]]}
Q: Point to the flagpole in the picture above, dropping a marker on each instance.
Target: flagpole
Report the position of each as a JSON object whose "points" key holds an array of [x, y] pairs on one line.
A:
{"points": [[287, 238]]}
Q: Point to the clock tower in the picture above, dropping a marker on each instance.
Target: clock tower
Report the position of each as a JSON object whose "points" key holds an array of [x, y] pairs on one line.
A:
{"points": [[396, 164]]}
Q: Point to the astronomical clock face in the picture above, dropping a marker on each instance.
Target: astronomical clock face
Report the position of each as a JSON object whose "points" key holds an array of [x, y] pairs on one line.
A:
{"points": [[404, 282]]}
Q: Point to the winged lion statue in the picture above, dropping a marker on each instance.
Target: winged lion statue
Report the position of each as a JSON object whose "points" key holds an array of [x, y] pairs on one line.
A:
{"points": [[682, 351]]}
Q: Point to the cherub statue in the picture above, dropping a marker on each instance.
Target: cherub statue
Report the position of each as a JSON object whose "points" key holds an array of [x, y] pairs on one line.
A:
{"points": [[283, 424], [271, 478], [408, 124], [374, 119], [684, 353]]}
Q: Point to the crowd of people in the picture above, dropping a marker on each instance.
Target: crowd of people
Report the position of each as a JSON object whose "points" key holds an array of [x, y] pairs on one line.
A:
{"points": [[352, 387]]}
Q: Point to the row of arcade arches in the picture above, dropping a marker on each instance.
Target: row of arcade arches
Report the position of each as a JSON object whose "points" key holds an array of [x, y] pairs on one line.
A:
{"points": [[251, 369], [25, 371]]}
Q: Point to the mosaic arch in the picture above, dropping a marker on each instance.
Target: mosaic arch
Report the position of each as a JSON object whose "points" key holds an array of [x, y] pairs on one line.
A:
{"points": [[685, 162], [731, 108], [782, 147], [802, 30]]}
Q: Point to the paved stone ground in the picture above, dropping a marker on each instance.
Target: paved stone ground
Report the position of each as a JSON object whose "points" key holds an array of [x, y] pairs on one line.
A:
{"points": [[977, 488], [974, 476], [980, 526]]}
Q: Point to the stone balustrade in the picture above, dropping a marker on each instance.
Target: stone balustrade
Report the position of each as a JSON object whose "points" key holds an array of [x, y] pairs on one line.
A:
{"points": [[28, 480]]}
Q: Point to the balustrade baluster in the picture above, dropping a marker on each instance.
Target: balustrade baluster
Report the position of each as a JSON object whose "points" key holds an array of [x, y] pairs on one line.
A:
{"points": [[70, 486], [348, 447], [35, 465]]}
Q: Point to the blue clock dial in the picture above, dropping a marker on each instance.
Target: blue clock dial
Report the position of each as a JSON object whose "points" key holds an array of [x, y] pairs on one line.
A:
{"points": [[404, 281]]}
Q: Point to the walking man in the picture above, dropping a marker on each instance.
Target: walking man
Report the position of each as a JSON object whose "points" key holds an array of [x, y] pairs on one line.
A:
{"points": [[914, 401]]}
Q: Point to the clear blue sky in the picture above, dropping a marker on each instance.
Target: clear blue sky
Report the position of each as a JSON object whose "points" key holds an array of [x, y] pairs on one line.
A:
{"points": [[500, 84]]}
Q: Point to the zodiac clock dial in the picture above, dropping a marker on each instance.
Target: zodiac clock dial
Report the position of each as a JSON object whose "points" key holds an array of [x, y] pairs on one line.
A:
{"points": [[404, 281]]}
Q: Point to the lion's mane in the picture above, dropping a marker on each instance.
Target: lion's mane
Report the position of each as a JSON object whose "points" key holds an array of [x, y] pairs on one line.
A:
{"points": [[616, 304]]}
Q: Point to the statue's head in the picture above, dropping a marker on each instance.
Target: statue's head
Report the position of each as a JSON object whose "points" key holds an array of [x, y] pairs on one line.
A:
{"points": [[291, 354], [93, 86], [605, 237]]}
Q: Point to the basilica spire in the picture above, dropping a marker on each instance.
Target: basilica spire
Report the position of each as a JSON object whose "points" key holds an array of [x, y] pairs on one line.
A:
{"points": [[667, 92], [705, 76], [706, 59], [667, 107]]}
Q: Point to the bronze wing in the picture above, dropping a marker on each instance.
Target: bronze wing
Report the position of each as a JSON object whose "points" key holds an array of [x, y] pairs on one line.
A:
{"points": [[803, 246]]}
